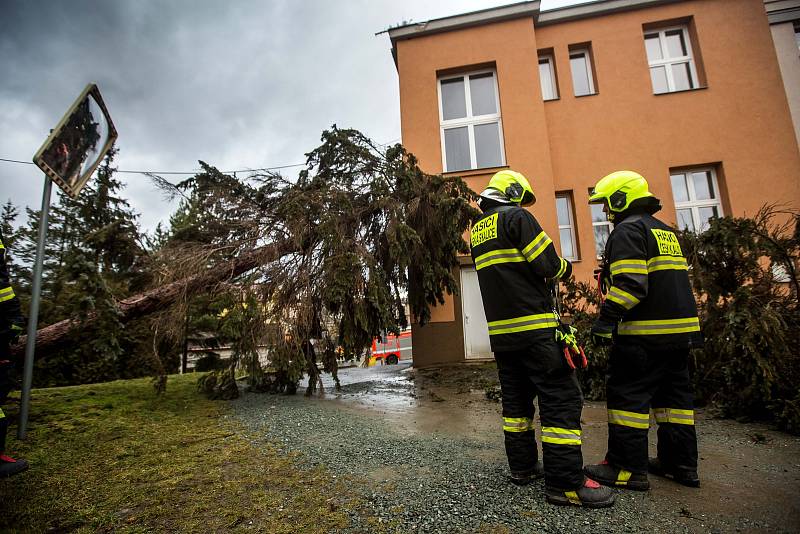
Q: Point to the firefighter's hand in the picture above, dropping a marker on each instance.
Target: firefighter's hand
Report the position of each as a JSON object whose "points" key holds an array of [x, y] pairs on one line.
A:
{"points": [[601, 334], [565, 335], [16, 331]]}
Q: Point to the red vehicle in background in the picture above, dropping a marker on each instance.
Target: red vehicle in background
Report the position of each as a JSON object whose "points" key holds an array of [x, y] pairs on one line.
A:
{"points": [[391, 349]]}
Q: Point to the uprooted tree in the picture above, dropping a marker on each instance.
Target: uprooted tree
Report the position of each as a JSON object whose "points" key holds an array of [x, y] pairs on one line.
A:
{"points": [[305, 270]]}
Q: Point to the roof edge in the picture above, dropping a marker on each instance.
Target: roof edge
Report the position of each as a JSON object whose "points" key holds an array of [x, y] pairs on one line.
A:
{"points": [[531, 9], [779, 11], [464, 20], [596, 9]]}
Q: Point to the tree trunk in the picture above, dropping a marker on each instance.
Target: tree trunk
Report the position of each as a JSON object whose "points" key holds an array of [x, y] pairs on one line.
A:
{"points": [[156, 299]]}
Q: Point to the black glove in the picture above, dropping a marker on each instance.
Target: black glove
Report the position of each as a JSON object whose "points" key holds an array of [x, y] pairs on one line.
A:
{"points": [[16, 330], [601, 334]]}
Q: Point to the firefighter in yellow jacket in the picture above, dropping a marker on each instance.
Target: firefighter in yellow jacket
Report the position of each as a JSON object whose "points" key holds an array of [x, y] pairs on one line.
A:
{"points": [[516, 262], [650, 316]]}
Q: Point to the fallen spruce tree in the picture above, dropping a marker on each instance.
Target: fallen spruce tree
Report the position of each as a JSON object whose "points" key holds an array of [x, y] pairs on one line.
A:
{"points": [[156, 299], [304, 270]]}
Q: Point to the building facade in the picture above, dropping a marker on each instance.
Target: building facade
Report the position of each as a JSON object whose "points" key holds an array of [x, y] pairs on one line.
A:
{"points": [[687, 92]]}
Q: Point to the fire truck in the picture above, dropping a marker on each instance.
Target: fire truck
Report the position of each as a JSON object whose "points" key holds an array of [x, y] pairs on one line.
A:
{"points": [[391, 349]]}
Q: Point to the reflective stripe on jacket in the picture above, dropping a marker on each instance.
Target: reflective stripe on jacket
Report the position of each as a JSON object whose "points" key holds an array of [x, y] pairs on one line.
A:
{"points": [[10, 313], [514, 257]]}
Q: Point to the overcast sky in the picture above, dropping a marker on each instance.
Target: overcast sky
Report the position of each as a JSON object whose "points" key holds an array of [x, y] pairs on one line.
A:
{"points": [[239, 84]]}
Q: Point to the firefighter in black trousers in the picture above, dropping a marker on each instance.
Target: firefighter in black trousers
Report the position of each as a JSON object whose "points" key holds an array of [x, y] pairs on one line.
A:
{"points": [[515, 261], [650, 315], [11, 325]]}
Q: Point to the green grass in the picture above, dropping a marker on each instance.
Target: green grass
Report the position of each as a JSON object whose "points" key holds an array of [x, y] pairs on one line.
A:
{"points": [[118, 457]]}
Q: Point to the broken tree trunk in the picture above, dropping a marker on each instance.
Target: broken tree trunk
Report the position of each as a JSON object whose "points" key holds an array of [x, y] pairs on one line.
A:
{"points": [[156, 299]]}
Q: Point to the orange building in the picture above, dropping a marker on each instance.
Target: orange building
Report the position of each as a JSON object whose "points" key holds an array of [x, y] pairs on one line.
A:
{"points": [[688, 93]]}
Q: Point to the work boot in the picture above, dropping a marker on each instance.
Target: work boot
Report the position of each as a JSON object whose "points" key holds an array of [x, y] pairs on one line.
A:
{"points": [[687, 477], [590, 495], [10, 467], [522, 479], [616, 477]]}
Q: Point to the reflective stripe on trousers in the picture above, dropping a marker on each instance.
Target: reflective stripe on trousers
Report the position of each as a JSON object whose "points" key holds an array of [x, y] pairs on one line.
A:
{"points": [[517, 424], [561, 436], [674, 415], [630, 419]]}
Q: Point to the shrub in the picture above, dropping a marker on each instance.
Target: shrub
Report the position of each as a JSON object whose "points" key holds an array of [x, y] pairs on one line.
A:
{"points": [[749, 366], [219, 385]]}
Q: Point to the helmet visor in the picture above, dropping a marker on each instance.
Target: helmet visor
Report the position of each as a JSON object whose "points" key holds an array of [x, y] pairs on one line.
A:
{"points": [[596, 198]]}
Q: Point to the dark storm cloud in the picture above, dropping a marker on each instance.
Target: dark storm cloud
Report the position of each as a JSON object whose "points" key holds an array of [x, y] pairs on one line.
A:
{"points": [[237, 84]]}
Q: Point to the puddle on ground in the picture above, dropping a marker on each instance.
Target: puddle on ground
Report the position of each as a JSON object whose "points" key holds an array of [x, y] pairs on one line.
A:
{"points": [[393, 392]]}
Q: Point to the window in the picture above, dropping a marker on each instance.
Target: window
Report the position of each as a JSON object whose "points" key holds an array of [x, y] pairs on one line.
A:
{"points": [[601, 227], [547, 76], [471, 130], [566, 226], [797, 33], [581, 65], [696, 197], [669, 53]]}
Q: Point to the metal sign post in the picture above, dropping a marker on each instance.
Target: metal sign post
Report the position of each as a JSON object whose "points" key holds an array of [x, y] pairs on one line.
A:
{"points": [[68, 157], [33, 315]]}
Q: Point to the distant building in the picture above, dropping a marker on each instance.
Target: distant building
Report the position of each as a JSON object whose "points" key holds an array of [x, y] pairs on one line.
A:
{"points": [[689, 93]]}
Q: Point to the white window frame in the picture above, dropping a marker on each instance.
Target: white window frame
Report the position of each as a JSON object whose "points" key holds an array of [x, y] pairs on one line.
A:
{"points": [[606, 223], [668, 62], [694, 204], [796, 26], [567, 195], [588, 58], [470, 121], [548, 58]]}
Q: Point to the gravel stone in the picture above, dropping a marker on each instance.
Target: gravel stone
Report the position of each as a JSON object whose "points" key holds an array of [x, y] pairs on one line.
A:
{"points": [[438, 482]]}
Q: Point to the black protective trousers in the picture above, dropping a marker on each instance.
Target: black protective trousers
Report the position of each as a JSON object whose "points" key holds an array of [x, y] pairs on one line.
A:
{"points": [[541, 371], [641, 378], [5, 387]]}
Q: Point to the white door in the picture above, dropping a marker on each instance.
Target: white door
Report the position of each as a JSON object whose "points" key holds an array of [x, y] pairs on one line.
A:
{"points": [[476, 331]]}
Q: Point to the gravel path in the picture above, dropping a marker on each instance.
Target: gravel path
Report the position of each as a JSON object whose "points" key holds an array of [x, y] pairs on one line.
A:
{"points": [[440, 481]]}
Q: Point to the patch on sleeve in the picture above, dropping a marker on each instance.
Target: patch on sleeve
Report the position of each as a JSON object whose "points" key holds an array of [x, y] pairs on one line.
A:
{"points": [[667, 243], [484, 230]]}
